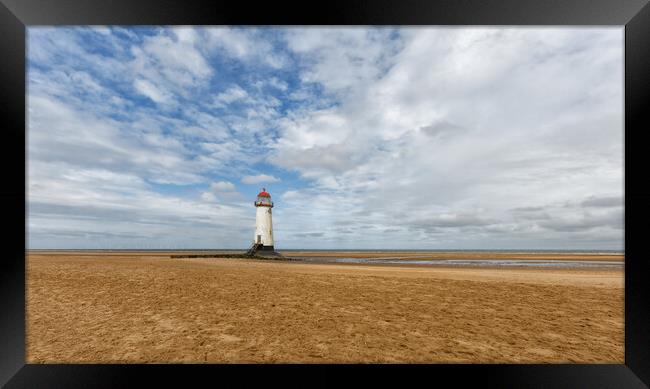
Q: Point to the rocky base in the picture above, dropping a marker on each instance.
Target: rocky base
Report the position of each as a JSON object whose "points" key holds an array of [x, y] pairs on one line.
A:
{"points": [[261, 254]]}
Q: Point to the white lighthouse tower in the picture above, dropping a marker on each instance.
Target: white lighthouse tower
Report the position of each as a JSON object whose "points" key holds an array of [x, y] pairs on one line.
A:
{"points": [[263, 239]]}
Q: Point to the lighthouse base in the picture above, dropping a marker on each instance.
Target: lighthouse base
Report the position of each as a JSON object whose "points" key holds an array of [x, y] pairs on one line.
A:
{"points": [[267, 251], [263, 251]]}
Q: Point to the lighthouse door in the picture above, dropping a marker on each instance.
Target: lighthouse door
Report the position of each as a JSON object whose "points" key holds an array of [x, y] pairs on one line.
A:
{"points": [[259, 238]]}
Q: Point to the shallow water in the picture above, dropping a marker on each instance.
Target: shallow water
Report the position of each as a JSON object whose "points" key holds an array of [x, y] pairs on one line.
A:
{"points": [[471, 262]]}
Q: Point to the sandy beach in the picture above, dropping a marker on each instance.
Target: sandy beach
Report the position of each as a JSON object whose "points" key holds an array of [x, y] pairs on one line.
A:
{"points": [[90, 307]]}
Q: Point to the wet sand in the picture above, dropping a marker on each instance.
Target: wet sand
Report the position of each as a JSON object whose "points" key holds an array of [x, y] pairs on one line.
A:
{"points": [[468, 255], [89, 307]]}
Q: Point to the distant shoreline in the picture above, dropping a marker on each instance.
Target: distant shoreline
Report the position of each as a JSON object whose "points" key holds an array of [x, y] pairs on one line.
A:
{"points": [[468, 251], [500, 259]]}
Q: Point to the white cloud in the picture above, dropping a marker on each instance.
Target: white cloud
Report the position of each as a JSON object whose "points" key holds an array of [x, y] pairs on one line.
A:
{"points": [[278, 84], [222, 186], [245, 45], [76, 207], [169, 66], [151, 91], [340, 58], [259, 179], [467, 123], [232, 94], [86, 140], [208, 197]]}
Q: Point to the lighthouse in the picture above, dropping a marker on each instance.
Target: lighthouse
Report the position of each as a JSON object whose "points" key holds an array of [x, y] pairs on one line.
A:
{"points": [[263, 239]]}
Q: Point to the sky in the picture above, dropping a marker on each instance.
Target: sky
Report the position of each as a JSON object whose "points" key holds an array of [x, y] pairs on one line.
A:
{"points": [[365, 137]]}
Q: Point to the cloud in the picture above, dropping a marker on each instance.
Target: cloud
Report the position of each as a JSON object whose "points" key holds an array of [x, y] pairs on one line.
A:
{"points": [[86, 208], [208, 197], [103, 163], [246, 45], [278, 84], [310, 234], [462, 122], [585, 222], [169, 66], [441, 129], [451, 220], [232, 94], [259, 179], [339, 58], [222, 186], [151, 91], [605, 202], [84, 139]]}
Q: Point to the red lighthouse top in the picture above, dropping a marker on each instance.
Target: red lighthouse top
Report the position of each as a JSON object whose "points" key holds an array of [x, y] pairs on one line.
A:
{"points": [[264, 199]]}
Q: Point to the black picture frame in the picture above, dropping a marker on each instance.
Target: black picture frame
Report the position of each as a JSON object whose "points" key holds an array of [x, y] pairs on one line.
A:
{"points": [[17, 15]]}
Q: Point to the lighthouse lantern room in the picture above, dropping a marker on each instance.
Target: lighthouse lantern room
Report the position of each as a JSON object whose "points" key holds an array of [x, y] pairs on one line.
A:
{"points": [[263, 239]]}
